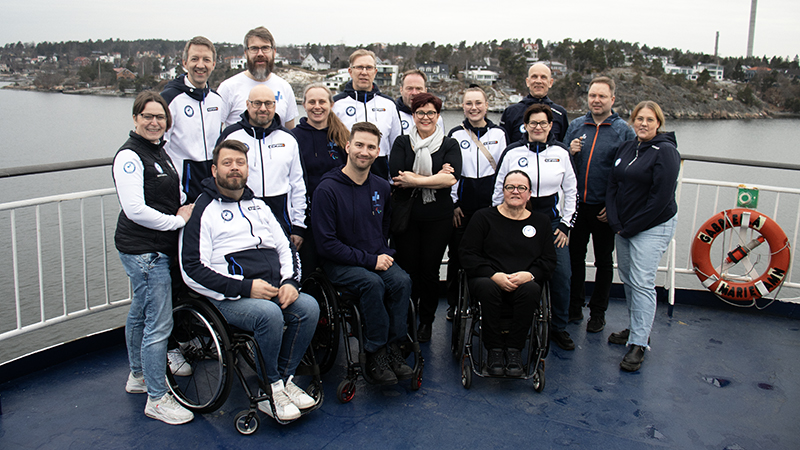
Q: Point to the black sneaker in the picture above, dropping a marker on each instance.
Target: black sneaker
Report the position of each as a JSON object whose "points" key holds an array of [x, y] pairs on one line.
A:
{"points": [[514, 364], [378, 368], [595, 324], [633, 359], [562, 339], [575, 315], [398, 364], [424, 332], [621, 337], [494, 362]]}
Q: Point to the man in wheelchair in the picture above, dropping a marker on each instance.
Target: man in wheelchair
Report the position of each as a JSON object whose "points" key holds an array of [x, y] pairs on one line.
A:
{"points": [[508, 254], [235, 252], [350, 220]]}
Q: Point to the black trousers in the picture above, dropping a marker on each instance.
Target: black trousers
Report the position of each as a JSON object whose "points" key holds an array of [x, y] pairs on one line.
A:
{"points": [[419, 252], [603, 245], [506, 316]]}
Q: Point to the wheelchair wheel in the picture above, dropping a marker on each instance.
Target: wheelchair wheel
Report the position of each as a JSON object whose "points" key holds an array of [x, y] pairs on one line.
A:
{"points": [[247, 422], [326, 337], [542, 322], [459, 317], [346, 391], [208, 351], [538, 380], [466, 372]]}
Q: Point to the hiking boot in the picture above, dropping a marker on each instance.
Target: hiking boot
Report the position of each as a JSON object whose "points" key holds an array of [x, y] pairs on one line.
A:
{"points": [[378, 368], [135, 385], [633, 359], [398, 364], [620, 337], [298, 396], [595, 324], [167, 410], [494, 363], [424, 332], [514, 365], [177, 364], [284, 408], [562, 339]]}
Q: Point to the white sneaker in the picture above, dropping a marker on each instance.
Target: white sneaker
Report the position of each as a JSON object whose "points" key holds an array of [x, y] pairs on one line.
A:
{"points": [[298, 396], [284, 408], [135, 385], [177, 364], [167, 410]]}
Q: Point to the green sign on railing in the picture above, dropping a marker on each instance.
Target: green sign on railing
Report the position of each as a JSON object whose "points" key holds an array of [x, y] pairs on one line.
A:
{"points": [[747, 197]]}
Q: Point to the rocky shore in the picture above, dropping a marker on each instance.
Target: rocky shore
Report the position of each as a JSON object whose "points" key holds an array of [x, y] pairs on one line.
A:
{"points": [[717, 100]]}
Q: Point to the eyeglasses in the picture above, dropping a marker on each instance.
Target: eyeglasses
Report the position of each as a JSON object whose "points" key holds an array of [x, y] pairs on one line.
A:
{"points": [[521, 188], [363, 68], [423, 114], [258, 104], [150, 117], [265, 49], [535, 124]]}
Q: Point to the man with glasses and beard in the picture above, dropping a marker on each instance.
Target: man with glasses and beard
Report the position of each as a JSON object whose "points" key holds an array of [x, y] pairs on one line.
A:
{"points": [[276, 174], [259, 49]]}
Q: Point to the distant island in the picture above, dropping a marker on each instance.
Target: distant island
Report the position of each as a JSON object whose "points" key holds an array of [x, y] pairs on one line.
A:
{"points": [[687, 85]]}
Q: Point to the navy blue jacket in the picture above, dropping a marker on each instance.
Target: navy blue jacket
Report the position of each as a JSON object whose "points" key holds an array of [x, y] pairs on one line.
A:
{"points": [[350, 221], [318, 154], [513, 118], [641, 189]]}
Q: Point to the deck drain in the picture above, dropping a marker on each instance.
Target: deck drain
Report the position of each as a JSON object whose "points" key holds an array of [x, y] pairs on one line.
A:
{"points": [[717, 382]]}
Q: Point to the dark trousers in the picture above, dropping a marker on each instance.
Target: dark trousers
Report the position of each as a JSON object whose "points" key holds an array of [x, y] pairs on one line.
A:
{"points": [[419, 252], [453, 260], [603, 245], [517, 306]]}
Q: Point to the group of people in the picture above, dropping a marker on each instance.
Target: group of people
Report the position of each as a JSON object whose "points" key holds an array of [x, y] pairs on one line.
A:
{"points": [[224, 189]]}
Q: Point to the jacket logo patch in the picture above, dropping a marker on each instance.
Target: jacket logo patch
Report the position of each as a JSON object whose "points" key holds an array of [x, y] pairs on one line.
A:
{"points": [[227, 215], [552, 159], [212, 108], [278, 96], [253, 208], [129, 167], [616, 163], [465, 144], [379, 109], [350, 111], [158, 168], [188, 111], [377, 208], [245, 144], [523, 162], [405, 124], [276, 145], [522, 128], [529, 231], [489, 143]]}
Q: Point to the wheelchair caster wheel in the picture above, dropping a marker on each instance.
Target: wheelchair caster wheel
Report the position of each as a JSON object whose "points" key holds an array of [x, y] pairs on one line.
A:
{"points": [[416, 380], [466, 372], [346, 391], [538, 380], [247, 422]]}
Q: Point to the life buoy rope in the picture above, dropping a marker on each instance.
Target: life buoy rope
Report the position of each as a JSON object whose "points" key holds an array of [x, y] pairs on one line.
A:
{"points": [[714, 278]]}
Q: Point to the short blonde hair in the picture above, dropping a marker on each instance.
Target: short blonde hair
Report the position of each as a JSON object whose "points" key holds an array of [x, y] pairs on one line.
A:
{"points": [[363, 52]]}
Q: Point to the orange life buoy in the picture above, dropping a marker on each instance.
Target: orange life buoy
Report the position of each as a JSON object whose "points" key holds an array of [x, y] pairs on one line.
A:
{"points": [[766, 282]]}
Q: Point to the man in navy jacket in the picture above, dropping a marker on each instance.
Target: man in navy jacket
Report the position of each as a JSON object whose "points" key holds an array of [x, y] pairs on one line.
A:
{"points": [[350, 219], [539, 82]]}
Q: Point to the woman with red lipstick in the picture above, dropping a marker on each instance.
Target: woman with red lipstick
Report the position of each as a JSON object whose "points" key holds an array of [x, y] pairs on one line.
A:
{"points": [[321, 138], [642, 211]]}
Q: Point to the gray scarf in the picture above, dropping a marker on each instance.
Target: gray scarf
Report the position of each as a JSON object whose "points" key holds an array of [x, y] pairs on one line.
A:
{"points": [[423, 163]]}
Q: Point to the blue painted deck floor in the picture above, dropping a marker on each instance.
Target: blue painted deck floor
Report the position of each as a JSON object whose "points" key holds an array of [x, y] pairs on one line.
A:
{"points": [[715, 379]]}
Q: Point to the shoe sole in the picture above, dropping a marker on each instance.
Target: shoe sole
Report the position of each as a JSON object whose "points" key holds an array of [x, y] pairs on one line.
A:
{"points": [[135, 391], [595, 330], [562, 347], [630, 367], [166, 420], [268, 412]]}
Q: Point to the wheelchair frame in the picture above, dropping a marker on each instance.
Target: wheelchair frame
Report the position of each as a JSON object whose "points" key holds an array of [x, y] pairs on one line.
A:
{"points": [[467, 327], [215, 350], [338, 311]]}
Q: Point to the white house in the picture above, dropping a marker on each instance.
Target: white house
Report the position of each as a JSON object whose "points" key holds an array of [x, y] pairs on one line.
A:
{"points": [[311, 63], [333, 82], [481, 76]]}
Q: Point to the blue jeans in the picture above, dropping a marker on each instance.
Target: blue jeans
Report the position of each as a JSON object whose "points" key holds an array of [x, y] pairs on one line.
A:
{"points": [[149, 322], [638, 258], [385, 321], [281, 350], [559, 286]]}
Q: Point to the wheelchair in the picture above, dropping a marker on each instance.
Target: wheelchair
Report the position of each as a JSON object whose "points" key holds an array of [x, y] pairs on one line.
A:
{"points": [[467, 328], [216, 352], [339, 313]]}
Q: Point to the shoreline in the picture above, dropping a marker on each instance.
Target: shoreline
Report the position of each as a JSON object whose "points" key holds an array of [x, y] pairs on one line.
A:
{"points": [[717, 115]]}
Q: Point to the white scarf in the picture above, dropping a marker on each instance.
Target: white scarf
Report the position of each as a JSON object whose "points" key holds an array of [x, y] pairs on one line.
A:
{"points": [[423, 163]]}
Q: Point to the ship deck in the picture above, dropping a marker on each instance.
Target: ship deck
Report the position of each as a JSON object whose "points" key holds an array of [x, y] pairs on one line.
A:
{"points": [[716, 378]]}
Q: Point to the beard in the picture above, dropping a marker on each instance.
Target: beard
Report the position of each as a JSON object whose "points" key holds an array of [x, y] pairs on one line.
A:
{"points": [[260, 74], [232, 183]]}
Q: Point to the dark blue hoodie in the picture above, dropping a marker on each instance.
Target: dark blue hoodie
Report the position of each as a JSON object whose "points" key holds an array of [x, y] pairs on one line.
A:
{"points": [[351, 221], [641, 189], [318, 154]]}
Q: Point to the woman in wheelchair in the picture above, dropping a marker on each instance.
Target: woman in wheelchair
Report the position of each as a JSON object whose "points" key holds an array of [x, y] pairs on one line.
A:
{"points": [[508, 254]]}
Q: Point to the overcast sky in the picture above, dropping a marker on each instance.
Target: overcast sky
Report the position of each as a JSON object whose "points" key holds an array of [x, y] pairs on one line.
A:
{"points": [[683, 24]]}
